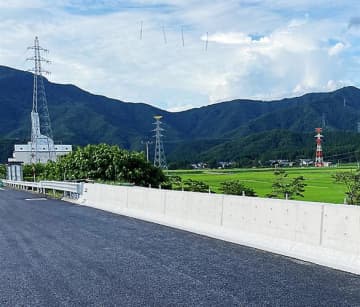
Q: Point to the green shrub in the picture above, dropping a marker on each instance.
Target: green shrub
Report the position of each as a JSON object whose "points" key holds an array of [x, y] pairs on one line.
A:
{"points": [[235, 187]]}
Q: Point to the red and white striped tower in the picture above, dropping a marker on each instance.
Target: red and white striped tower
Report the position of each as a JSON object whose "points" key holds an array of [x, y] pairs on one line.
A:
{"points": [[319, 161]]}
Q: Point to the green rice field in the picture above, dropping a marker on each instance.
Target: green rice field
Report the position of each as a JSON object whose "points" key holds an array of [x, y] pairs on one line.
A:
{"points": [[320, 184]]}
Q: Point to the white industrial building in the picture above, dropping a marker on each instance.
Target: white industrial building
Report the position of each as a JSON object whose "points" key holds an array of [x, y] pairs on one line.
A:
{"points": [[42, 154], [41, 148]]}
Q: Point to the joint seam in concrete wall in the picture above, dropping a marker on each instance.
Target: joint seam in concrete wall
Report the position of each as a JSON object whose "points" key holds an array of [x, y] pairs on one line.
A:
{"points": [[165, 201], [222, 211], [321, 225], [127, 198]]}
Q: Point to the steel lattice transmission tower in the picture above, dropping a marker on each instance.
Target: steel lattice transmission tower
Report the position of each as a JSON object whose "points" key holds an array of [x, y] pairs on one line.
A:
{"points": [[159, 158], [319, 160], [41, 148], [41, 132]]}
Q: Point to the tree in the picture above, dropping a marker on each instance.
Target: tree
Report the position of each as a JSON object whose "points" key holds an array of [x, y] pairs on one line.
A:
{"points": [[173, 182], [284, 187], [181, 164], [104, 162], [195, 186], [36, 169], [134, 168], [235, 187], [352, 184]]}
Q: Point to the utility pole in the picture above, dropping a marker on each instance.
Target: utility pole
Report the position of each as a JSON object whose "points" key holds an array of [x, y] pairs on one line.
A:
{"points": [[323, 121], [147, 143], [159, 158]]}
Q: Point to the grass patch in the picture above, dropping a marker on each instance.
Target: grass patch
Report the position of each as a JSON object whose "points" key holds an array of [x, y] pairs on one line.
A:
{"points": [[320, 184]]}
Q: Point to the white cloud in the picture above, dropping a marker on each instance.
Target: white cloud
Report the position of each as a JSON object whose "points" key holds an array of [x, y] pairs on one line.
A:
{"points": [[333, 85], [254, 51], [228, 38], [4, 4], [336, 49], [180, 108]]}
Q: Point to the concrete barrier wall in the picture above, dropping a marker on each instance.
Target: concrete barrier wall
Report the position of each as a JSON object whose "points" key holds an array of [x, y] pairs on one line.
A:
{"points": [[290, 220], [326, 234], [106, 197], [341, 228], [190, 207]]}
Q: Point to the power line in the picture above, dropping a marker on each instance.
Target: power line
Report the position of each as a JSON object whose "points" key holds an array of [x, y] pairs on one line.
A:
{"points": [[141, 30], [182, 36], [342, 154], [207, 41], [164, 34]]}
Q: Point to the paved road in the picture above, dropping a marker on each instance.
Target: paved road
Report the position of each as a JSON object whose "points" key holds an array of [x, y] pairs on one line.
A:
{"points": [[54, 253]]}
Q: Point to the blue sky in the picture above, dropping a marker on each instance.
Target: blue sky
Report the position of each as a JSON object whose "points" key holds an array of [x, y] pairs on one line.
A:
{"points": [[264, 50]]}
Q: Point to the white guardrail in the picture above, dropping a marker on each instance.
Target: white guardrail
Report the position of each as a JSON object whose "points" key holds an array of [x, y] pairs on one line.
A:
{"points": [[74, 189]]}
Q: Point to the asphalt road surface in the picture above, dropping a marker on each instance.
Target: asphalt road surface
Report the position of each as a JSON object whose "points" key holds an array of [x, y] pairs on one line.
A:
{"points": [[53, 253]]}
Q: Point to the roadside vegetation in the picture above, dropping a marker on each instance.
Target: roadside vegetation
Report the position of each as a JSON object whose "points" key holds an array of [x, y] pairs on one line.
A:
{"points": [[351, 180], [235, 187], [101, 162], [321, 183], [285, 187], [2, 171], [113, 165]]}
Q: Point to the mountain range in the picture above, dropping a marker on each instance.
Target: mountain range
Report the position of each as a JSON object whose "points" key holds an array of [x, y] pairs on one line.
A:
{"points": [[241, 130]]}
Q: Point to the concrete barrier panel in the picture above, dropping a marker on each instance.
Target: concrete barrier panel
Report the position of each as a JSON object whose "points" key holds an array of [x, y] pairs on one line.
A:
{"points": [[308, 222], [268, 217], [92, 193], [341, 228], [146, 199], [238, 213], [192, 207], [177, 206], [275, 218], [115, 197], [136, 198], [290, 220], [106, 197], [205, 208], [154, 201]]}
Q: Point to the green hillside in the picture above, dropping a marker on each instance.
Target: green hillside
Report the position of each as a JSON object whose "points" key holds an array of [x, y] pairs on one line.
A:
{"points": [[258, 148]]}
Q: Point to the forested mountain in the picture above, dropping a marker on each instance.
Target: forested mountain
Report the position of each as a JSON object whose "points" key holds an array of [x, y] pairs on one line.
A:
{"points": [[258, 148], [224, 131]]}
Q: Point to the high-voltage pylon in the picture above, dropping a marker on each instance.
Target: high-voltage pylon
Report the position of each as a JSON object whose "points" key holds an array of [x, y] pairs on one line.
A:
{"points": [[319, 160], [159, 157], [41, 132]]}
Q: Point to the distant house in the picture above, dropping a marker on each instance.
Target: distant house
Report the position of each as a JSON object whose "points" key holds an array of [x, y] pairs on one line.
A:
{"points": [[199, 165], [281, 163], [327, 164], [310, 162], [306, 162], [225, 164]]}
